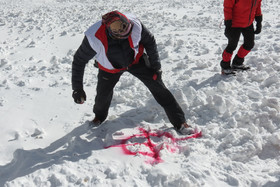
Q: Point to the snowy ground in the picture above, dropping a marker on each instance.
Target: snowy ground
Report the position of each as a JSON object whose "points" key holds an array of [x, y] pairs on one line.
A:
{"points": [[45, 138]]}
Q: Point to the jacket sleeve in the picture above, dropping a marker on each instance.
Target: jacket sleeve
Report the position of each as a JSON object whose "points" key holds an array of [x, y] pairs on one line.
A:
{"points": [[81, 58], [259, 10], [149, 43], [228, 8]]}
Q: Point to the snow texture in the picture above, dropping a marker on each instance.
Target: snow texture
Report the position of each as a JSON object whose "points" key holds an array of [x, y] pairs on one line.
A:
{"points": [[45, 138]]}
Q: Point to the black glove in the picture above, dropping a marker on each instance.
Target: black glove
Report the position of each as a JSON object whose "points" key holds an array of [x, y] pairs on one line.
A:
{"points": [[259, 24], [228, 24], [79, 96], [157, 74]]}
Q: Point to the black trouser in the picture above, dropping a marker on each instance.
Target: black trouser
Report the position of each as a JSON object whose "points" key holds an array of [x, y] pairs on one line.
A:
{"points": [[234, 36], [107, 82]]}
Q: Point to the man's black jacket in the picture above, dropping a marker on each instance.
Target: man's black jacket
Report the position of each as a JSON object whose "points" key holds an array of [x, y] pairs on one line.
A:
{"points": [[119, 54]]}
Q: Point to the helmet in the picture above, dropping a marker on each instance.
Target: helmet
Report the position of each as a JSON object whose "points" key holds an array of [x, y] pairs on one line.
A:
{"points": [[117, 24]]}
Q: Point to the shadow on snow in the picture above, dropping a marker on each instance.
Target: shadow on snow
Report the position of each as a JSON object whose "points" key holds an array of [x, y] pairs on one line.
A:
{"points": [[74, 146]]}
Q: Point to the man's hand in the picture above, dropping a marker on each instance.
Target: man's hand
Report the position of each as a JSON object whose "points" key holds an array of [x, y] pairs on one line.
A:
{"points": [[259, 24], [157, 74], [79, 96], [228, 24]]}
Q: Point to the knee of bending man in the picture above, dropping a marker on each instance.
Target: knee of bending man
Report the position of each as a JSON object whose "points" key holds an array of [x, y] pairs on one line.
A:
{"points": [[248, 47], [231, 48]]}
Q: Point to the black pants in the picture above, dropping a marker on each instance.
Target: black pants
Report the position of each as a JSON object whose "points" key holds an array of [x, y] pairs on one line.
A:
{"points": [[234, 36], [107, 82]]}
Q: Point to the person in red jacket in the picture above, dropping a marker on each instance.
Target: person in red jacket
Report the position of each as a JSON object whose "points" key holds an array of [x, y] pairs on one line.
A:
{"points": [[239, 16]]}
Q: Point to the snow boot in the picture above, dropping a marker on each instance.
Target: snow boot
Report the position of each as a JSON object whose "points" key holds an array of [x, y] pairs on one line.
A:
{"points": [[185, 129], [96, 122], [237, 64], [226, 68]]}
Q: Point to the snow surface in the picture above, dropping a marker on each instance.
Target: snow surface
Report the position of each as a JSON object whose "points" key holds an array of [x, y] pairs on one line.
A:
{"points": [[45, 139]]}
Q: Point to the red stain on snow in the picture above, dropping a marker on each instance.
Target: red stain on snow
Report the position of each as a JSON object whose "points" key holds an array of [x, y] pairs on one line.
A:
{"points": [[153, 148]]}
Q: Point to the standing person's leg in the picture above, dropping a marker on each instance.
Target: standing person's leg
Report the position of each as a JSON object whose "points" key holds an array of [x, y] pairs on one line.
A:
{"points": [[233, 39], [104, 93], [162, 95], [249, 42]]}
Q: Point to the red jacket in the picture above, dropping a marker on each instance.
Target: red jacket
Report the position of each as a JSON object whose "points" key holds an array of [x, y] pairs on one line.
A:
{"points": [[242, 12]]}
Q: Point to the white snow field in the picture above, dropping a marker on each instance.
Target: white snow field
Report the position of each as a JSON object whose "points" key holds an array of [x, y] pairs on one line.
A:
{"points": [[45, 138]]}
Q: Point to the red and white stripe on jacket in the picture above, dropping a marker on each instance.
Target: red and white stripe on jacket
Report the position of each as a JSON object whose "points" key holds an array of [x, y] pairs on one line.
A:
{"points": [[97, 38]]}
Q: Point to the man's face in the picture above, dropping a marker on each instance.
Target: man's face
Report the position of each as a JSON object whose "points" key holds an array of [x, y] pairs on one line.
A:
{"points": [[119, 29]]}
